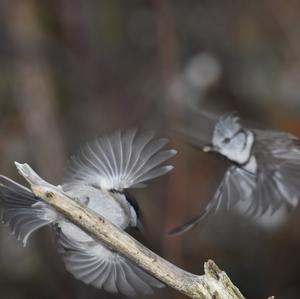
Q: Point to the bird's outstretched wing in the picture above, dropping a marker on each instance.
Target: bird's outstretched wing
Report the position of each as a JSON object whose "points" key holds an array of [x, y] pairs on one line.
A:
{"points": [[21, 211], [273, 186], [118, 161], [236, 184], [278, 157], [105, 269]]}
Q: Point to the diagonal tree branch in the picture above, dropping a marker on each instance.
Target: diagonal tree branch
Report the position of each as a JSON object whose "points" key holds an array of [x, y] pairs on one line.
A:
{"points": [[214, 284]]}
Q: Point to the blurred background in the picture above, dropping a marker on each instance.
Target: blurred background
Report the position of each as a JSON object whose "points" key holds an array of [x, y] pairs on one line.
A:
{"points": [[72, 70]]}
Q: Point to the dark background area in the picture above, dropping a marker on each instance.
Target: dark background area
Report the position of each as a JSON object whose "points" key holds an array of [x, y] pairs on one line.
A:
{"points": [[72, 70]]}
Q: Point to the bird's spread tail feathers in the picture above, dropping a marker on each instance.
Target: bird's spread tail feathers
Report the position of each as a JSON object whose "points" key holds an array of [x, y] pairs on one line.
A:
{"points": [[21, 211]]}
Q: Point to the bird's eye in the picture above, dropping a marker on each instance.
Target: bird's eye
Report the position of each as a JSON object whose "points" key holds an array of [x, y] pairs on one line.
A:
{"points": [[226, 140]]}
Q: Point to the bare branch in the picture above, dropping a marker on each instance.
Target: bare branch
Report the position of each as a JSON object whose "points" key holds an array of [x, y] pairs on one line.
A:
{"points": [[213, 284]]}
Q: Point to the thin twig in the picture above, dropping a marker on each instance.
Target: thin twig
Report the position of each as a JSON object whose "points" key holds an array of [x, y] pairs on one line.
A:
{"points": [[213, 284]]}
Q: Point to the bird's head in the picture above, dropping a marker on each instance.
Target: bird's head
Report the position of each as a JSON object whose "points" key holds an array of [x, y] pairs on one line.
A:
{"points": [[231, 140]]}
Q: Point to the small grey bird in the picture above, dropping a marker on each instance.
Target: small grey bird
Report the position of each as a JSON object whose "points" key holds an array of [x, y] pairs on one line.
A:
{"points": [[264, 171], [98, 176]]}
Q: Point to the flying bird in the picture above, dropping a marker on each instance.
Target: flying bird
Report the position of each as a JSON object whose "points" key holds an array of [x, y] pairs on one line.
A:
{"points": [[264, 170], [98, 177]]}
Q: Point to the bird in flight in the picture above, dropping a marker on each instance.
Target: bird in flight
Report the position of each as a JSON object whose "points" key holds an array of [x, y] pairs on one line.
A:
{"points": [[264, 169], [98, 177]]}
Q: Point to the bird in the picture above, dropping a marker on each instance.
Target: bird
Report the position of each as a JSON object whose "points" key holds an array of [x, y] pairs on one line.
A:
{"points": [[98, 176], [263, 171]]}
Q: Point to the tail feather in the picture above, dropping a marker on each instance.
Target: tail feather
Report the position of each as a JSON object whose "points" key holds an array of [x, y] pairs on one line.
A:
{"points": [[21, 211]]}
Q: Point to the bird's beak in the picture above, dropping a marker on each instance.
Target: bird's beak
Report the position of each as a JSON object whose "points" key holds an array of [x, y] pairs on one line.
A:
{"points": [[207, 148]]}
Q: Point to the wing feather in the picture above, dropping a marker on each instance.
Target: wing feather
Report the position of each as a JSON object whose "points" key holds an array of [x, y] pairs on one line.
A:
{"points": [[226, 196], [118, 161], [127, 144], [96, 265], [148, 153], [138, 147], [123, 285], [278, 156]]}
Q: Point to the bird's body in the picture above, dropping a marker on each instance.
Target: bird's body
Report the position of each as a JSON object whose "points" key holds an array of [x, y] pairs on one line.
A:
{"points": [[97, 177], [264, 170]]}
